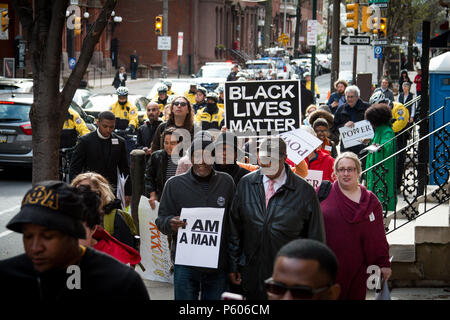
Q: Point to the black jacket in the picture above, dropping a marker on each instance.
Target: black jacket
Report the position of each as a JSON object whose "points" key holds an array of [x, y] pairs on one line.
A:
{"points": [[234, 170], [146, 133], [117, 83], [155, 173], [344, 114], [101, 276], [185, 191], [307, 99], [102, 156], [257, 232]]}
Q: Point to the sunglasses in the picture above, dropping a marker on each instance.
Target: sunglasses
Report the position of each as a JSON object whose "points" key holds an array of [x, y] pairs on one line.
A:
{"points": [[182, 104], [297, 292]]}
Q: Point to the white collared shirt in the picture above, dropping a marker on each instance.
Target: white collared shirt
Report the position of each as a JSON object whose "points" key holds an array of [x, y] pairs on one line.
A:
{"points": [[100, 135], [278, 182]]}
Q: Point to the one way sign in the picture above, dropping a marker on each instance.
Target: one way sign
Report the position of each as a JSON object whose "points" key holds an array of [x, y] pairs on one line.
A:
{"points": [[355, 40]]}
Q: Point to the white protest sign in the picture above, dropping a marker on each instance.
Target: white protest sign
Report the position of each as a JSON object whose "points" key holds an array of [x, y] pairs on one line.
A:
{"points": [[299, 144], [155, 252], [314, 178], [353, 136], [198, 244]]}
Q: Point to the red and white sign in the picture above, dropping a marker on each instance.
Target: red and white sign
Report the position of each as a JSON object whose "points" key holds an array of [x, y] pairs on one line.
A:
{"points": [[180, 44]]}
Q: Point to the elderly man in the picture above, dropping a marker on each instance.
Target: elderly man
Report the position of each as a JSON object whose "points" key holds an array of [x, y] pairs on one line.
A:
{"points": [[385, 89], [350, 112], [272, 206], [54, 265]]}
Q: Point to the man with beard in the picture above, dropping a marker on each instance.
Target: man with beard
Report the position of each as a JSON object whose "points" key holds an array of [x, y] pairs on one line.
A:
{"points": [[147, 131], [337, 98]]}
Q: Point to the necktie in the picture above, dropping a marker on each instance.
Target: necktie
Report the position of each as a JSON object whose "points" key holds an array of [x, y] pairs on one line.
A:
{"points": [[270, 192]]}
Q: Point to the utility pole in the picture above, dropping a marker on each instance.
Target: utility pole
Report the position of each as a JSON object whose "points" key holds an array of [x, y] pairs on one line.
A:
{"points": [[165, 33], [313, 53], [355, 54], [267, 24], [284, 23], [336, 32]]}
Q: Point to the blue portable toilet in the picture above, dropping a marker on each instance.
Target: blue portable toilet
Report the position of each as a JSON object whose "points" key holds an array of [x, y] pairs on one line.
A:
{"points": [[439, 90]]}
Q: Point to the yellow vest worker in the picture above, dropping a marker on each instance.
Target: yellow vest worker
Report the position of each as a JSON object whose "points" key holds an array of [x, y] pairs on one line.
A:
{"points": [[190, 96], [73, 128], [211, 116], [125, 110], [316, 88]]}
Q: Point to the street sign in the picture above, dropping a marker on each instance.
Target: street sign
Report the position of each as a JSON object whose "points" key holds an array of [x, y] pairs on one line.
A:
{"points": [[312, 30], [164, 43], [380, 42], [355, 40], [72, 63], [378, 52], [180, 44], [379, 3], [283, 38]]}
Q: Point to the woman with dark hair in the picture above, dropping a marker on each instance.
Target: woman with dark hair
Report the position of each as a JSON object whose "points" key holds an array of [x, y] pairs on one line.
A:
{"points": [[379, 181], [181, 117], [403, 78]]}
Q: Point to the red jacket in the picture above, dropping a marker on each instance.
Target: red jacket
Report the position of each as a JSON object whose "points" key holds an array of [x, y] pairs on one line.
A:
{"points": [[324, 162], [108, 244]]}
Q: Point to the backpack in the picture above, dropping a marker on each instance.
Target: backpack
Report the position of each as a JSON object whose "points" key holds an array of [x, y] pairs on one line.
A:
{"points": [[109, 224], [324, 190]]}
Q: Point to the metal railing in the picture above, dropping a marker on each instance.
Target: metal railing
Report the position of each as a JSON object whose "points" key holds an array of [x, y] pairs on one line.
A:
{"points": [[394, 176]]}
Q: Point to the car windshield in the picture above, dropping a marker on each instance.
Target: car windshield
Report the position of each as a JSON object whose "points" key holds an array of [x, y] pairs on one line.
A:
{"points": [[99, 101], [212, 71], [258, 65], [14, 112]]}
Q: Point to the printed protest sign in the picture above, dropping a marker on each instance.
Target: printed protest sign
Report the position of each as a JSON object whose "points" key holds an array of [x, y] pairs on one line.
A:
{"points": [[253, 106], [155, 252], [299, 144], [353, 136], [198, 244], [314, 178]]}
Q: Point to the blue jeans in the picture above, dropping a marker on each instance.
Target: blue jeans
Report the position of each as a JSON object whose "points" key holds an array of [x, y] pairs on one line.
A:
{"points": [[189, 282]]}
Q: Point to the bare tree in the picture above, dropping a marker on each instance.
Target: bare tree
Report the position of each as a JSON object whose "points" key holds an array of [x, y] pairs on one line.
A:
{"points": [[43, 25]]}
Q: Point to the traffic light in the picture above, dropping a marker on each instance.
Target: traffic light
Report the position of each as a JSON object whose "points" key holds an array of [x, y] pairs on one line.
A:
{"points": [[158, 25], [77, 26], [4, 21], [352, 15], [365, 19], [375, 25], [383, 26]]}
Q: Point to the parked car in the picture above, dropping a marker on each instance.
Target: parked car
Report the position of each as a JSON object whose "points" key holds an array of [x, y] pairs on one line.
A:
{"points": [[347, 76], [101, 102], [16, 131], [16, 85], [81, 96], [211, 75], [324, 61], [179, 87], [252, 68], [284, 70], [304, 60]]}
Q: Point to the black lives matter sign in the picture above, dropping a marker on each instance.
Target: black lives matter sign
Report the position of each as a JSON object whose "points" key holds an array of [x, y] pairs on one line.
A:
{"points": [[255, 106]]}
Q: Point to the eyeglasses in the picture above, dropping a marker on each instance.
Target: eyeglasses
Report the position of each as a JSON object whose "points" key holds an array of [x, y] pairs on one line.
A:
{"points": [[182, 104], [349, 170], [321, 131], [297, 292]]}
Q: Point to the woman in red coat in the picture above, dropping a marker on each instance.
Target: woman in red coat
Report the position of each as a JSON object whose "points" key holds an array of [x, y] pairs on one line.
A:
{"points": [[354, 229]]}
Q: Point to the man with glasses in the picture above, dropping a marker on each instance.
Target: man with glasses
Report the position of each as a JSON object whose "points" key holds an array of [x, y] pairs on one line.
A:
{"points": [[271, 207], [304, 270], [349, 113]]}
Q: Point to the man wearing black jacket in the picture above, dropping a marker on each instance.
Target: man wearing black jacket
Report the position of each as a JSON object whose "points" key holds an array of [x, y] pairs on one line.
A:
{"points": [[201, 186], [103, 152], [147, 131]]}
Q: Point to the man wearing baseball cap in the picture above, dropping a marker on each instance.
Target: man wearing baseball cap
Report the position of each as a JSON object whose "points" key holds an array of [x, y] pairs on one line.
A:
{"points": [[272, 206], [54, 265]]}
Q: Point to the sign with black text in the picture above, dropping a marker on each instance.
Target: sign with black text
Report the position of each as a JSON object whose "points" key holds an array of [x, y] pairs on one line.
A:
{"points": [[255, 106], [198, 244], [353, 136]]}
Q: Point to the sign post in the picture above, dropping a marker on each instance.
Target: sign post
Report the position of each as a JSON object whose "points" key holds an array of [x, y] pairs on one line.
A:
{"points": [[180, 51]]}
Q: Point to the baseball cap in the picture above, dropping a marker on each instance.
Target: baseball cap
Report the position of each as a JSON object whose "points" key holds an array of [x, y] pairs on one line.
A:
{"points": [[52, 204], [273, 147]]}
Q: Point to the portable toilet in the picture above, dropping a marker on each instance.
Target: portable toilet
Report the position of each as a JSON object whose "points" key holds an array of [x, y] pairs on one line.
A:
{"points": [[439, 143]]}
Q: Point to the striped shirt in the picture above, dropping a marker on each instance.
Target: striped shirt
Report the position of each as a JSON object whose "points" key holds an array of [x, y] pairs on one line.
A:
{"points": [[171, 168]]}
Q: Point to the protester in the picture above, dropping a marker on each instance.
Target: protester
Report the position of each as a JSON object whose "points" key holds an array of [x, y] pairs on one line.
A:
{"points": [[97, 237], [307, 97], [120, 78], [207, 188], [147, 131], [271, 207], [354, 229], [381, 179], [324, 113], [226, 152], [161, 166], [350, 112], [322, 129], [311, 108], [181, 116], [320, 160], [185, 162], [54, 265], [337, 98], [304, 269], [404, 77], [384, 88], [406, 96], [116, 222], [104, 152]]}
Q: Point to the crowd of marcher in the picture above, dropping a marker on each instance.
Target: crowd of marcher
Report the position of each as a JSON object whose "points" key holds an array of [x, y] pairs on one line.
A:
{"points": [[279, 240]]}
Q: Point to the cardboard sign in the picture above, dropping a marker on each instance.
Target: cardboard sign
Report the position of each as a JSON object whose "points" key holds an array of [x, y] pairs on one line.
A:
{"points": [[355, 135], [314, 178], [198, 244], [155, 252], [255, 106], [299, 144]]}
